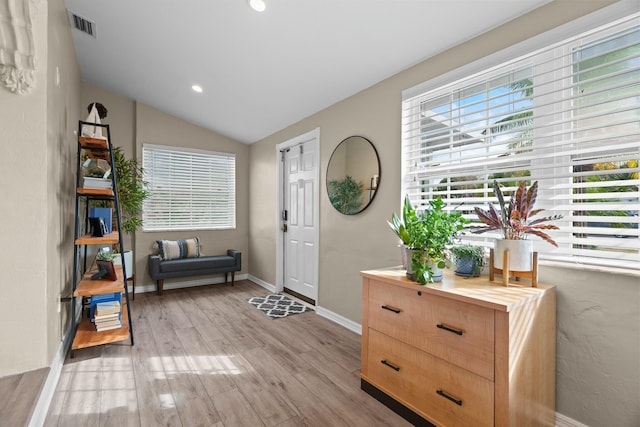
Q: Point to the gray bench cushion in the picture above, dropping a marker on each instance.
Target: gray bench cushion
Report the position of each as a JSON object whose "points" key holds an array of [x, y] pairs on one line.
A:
{"points": [[160, 270], [192, 264]]}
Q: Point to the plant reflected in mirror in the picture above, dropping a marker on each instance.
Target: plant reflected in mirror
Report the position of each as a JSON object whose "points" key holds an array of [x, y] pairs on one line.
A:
{"points": [[353, 175]]}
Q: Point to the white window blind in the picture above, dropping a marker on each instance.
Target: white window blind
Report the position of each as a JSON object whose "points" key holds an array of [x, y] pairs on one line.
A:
{"points": [[567, 116], [189, 189]]}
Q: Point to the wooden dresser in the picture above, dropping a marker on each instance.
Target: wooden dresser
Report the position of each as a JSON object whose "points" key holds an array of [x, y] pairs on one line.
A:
{"points": [[463, 352]]}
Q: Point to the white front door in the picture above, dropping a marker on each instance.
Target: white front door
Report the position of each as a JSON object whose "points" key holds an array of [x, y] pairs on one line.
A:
{"points": [[299, 217]]}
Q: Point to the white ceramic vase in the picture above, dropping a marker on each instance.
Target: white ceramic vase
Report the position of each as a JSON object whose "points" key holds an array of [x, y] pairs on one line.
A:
{"points": [[520, 254], [128, 262], [436, 271], [406, 255]]}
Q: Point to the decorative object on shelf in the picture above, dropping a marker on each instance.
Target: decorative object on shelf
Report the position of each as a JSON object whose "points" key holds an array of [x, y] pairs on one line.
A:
{"points": [[17, 61], [427, 236], [89, 182], [353, 175], [104, 254], [94, 116], [105, 213], [469, 260], [98, 227], [516, 222], [106, 271]]}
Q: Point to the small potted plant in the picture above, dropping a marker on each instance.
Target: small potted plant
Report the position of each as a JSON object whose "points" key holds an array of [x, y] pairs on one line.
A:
{"points": [[427, 237], [516, 222], [469, 260], [105, 255]]}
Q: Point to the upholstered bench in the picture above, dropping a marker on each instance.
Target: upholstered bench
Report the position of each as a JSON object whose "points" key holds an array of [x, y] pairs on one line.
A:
{"points": [[160, 269]]}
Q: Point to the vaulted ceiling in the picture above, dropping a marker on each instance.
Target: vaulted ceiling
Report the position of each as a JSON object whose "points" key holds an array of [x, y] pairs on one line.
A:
{"points": [[263, 71]]}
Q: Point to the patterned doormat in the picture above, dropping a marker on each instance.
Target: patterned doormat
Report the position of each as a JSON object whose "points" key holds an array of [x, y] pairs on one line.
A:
{"points": [[278, 305]]}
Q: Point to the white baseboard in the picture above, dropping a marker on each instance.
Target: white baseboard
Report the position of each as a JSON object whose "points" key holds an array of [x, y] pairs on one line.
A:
{"points": [[49, 388], [340, 320], [564, 421], [271, 288], [186, 283]]}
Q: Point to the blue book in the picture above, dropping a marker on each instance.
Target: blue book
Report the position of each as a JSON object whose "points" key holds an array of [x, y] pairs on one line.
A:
{"points": [[104, 213], [98, 298]]}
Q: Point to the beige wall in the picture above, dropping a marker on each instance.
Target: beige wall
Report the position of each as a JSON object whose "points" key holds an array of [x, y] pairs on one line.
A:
{"points": [[63, 109], [156, 127], [133, 124], [36, 190], [594, 386]]}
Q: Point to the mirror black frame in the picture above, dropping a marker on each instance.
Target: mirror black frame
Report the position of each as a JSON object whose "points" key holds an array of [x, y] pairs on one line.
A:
{"points": [[348, 183]]}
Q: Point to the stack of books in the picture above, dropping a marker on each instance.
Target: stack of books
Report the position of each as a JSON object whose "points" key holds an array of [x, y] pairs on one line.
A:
{"points": [[106, 311]]}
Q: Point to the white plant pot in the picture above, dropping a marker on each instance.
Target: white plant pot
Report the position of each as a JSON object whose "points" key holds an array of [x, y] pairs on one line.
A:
{"points": [[437, 271], [128, 262], [520, 254], [406, 254]]}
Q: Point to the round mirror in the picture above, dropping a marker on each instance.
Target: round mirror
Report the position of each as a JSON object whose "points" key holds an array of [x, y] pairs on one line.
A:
{"points": [[353, 175]]}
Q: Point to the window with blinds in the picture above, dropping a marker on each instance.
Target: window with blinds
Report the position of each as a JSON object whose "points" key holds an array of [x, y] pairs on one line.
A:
{"points": [[567, 116], [189, 189]]}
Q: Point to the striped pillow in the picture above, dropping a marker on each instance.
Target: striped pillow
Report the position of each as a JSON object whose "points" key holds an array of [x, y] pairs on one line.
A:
{"points": [[177, 249]]}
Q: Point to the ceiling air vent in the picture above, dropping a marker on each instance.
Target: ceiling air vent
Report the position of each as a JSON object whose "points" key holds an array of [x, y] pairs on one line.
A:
{"points": [[84, 25]]}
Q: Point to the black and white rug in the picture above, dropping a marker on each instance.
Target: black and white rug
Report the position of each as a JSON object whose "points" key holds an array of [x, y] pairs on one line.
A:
{"points": [[278, 305]]}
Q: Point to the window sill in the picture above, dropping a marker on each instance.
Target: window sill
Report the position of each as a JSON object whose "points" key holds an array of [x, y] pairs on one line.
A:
{"points": [[588, 267]]}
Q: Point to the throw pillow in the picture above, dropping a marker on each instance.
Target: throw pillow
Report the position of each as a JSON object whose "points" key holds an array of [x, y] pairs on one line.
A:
{"points": [[177, 249]]}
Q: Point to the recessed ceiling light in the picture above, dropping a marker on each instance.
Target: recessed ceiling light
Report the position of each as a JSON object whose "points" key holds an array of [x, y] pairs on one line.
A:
{"points": [[258, 5], [197, 88]]}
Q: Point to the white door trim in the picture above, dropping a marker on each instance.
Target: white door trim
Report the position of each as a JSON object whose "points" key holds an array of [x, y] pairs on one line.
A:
{"points": [[315, 136]]}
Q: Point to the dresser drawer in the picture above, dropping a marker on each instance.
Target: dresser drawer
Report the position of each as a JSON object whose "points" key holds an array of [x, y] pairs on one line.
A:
{"points": [[458, 332], [441, 392]]}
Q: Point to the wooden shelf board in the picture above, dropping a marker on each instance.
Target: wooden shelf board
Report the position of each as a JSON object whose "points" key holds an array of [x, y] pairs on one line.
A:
{"points": [[98, 192], [88, 239], [87, 142], [87, 287], [87, 336]]}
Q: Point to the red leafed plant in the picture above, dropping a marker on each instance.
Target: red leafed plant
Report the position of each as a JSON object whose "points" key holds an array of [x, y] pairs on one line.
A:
{"points": [[516, 220]]}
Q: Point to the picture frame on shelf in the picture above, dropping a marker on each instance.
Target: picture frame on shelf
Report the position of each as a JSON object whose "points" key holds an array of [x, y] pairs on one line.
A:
{"points": [[107, 271]]}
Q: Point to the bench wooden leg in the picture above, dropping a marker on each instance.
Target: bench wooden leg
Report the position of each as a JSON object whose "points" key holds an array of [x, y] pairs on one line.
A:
{"points": [[133, 281], [233, 277], [160, 286]]}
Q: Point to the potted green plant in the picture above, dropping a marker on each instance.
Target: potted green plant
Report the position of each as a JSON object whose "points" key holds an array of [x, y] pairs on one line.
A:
{"points": [[468, 259], [131, 194], [427, 236], [104, 255], [516, 222]]}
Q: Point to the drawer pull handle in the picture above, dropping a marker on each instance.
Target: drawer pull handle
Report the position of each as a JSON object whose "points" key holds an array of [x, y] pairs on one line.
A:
{"points": [[392, 366], [450, 329], [448, 396], [388, 307]]}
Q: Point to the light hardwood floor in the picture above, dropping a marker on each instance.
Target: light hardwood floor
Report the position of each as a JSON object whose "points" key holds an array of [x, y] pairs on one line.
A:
{"points": [[203, 356]]}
